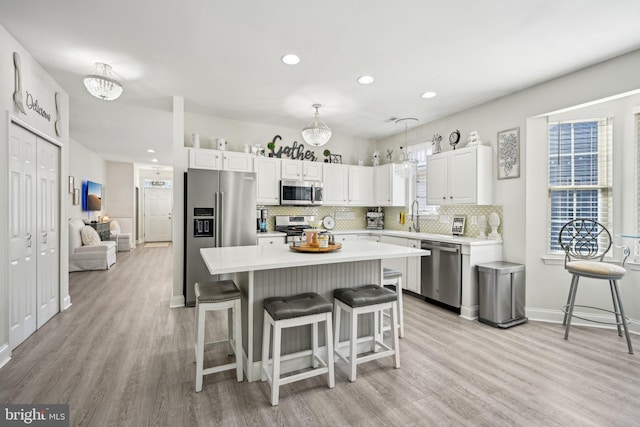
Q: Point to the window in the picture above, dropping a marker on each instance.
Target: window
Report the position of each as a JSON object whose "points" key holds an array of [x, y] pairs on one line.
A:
{"points": [[418, 187], [579, 174]]}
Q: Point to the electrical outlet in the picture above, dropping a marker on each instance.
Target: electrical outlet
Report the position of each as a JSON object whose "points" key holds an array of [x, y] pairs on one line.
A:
{"points": [[444, 219], [474, 220]]}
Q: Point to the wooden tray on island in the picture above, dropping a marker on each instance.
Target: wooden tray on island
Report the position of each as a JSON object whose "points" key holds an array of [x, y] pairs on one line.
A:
{"points": [[307, 248]]}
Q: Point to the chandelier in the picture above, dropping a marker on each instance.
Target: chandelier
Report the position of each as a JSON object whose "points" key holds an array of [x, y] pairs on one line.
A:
{"points": [[101, 84], [316, 133], [408, 166]]}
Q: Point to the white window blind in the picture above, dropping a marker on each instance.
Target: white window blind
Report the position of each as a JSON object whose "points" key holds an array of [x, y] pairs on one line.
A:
{"points": [[579, 174]]}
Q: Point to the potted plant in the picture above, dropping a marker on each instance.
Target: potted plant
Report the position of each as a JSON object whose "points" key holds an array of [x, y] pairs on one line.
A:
{"points": [[327, 155], [271, 146]]}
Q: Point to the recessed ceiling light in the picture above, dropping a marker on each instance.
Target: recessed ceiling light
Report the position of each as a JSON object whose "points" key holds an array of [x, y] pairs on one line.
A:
{"points": [[428, 95], [154, 160], [365, 80], [290, 59], [151, 150]]}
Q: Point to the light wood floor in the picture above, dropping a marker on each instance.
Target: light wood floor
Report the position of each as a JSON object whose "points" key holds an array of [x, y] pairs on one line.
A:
{"points": [[120, 356]]}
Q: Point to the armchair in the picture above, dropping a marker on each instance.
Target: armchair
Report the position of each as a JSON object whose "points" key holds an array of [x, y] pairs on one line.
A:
{"points": [[122, 233], [99, 256]]}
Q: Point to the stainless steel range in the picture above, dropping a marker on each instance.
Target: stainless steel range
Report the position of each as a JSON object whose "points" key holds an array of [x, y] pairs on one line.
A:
{"points": [[293, 225]]}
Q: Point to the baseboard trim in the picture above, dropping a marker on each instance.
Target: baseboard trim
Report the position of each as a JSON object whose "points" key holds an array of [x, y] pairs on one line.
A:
{"points": [[5, 355], [469, 313], [557, 316], [176, 301], [66, 302]]}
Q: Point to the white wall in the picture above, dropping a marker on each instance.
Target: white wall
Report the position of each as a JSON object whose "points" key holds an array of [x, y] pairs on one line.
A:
{"points": [[120, 190], [84, 165], [524, 204], [43, 87]]}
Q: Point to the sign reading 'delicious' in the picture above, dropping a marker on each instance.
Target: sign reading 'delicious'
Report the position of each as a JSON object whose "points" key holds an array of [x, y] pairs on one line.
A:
{"points": [[296, 152], [34, 415]]}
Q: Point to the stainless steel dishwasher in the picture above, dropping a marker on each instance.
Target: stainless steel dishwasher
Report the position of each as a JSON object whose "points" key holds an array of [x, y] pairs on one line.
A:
{"points": [[442, 273]]}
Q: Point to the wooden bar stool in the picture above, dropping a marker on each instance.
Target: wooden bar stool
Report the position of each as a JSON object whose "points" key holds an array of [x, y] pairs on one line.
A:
{"points": [[362, 300], [288, 312], [391, 277], [212, 296]]}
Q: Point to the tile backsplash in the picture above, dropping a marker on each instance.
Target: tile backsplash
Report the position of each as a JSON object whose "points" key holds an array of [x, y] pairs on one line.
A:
{"points": [[353, 218], [347, 217], [442, 222]]}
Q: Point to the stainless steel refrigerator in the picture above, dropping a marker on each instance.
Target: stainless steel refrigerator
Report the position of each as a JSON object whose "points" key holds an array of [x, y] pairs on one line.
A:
{"points": [[220, 211]]}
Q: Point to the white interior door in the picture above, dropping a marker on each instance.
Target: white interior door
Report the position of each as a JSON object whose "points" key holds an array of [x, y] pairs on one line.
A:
{"points": [[47, 231], [22, 234], [157, 215]]}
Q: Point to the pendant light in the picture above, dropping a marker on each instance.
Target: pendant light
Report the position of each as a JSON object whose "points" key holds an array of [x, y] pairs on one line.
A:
{"points": [[408, 166], [317, 133], [101, 84]]}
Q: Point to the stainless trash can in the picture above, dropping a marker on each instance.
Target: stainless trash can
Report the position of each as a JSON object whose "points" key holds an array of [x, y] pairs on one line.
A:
{"points": [[501, 294]]}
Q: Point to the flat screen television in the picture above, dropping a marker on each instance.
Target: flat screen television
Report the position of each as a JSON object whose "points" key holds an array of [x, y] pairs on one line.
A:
{"points": [[94, 196]]}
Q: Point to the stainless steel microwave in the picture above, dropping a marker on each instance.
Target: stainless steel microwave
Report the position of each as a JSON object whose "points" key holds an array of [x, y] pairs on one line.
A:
{"points": [[300, 192]]}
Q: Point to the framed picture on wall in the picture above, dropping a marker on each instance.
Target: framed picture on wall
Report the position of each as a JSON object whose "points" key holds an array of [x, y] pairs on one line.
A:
{"points": [[76, 196], [509, 153], [72, 184]]}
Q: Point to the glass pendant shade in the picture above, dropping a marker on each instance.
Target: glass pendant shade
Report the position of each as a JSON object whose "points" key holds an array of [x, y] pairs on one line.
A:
{"points": [[408, 166], [101, 84], [317, 133]]}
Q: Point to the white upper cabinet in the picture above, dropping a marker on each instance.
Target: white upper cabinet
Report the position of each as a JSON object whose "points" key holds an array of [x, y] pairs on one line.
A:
{"points": [[389, 188], [361, 186], [202, 158], [336, 184], [267, 170], [234, 161], [462, 176], [301, 171]]}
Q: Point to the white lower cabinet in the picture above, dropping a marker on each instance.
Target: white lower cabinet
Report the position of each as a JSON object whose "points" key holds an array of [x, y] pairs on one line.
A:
{"points": [[368, 237], [266, 241], [410, 267], [399, 264], [412, 281], [345, 237]]}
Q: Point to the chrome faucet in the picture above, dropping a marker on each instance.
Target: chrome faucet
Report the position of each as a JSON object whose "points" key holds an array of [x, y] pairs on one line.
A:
{"points": [[415, 218]]}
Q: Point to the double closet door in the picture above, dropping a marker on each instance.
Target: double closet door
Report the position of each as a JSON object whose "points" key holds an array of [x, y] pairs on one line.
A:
{"points": [[34, 237]]}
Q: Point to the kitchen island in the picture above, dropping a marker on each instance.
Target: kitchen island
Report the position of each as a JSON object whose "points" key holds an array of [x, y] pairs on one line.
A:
{"points": [[264, 271]]}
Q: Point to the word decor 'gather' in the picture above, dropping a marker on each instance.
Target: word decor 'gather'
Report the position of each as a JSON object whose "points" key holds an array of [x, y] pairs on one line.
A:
{"points": [[296, 151]]}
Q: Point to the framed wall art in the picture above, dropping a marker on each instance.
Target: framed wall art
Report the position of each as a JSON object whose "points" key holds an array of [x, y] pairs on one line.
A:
{"points": [[72, 184], [509, 153], [76, 196]]}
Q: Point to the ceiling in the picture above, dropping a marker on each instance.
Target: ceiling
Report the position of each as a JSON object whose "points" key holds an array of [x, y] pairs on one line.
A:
{"points": [[224, 59]]}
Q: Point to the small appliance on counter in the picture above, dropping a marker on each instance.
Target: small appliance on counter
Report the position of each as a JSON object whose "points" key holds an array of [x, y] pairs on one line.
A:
{"points": [[375, 219], [261, 219]]}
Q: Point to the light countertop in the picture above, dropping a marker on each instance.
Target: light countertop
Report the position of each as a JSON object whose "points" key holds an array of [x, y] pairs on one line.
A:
{"points": [[447, 238], [252, 258]]}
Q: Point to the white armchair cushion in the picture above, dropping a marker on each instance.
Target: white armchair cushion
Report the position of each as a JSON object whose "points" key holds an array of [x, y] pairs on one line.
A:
{"points": [[89, 235], [100, 247]]}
